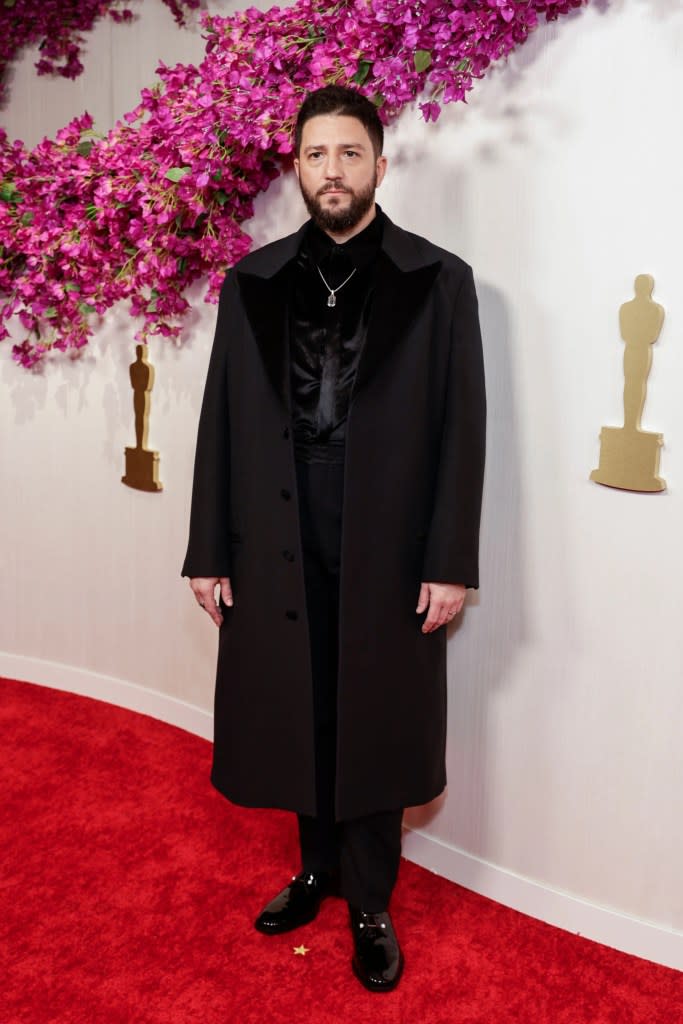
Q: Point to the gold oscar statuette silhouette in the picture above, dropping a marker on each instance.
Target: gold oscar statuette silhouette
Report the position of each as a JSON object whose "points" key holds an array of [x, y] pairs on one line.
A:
{"points": [[142, 465], [629, 456]]}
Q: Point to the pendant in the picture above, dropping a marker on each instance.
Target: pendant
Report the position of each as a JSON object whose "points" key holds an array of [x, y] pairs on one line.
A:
{"points": [[331, 300]]}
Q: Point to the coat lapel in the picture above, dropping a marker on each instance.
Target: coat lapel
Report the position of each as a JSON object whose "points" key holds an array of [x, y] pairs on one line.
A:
{"points": [[399, 295], [265, 279], [266, 301], [408, 266], [405, 276]]}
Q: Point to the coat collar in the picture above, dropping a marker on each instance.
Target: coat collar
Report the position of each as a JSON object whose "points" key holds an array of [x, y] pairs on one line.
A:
{"points": [[407, 269], [400, 246]]}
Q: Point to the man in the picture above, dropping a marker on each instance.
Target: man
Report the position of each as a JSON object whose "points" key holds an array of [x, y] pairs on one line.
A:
{"points": [[336, 506]]}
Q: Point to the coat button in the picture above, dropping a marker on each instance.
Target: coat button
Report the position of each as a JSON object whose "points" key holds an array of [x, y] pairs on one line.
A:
{"points": [[291, 614], [285, 433], [288, 556], [284, 493]]}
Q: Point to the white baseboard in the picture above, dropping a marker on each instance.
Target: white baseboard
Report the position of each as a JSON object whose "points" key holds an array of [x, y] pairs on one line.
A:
{"points": [[561, 909], [108, 688]]}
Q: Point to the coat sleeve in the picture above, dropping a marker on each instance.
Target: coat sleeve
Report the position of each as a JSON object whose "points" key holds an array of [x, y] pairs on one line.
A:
{"points": [[452, 548], [208, 550]]}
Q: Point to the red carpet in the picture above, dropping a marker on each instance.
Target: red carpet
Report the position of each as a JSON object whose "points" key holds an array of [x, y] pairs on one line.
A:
{"points": [[129, 887]]}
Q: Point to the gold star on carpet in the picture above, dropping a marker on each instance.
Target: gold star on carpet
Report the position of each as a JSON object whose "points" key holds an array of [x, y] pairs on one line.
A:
{"points": [[301, 951]]}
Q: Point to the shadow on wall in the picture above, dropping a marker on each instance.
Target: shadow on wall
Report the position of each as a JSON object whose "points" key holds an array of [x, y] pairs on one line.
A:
{"points": [[485, 638]]}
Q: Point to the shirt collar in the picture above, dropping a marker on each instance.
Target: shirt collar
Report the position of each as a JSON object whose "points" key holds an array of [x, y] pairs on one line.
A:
{"points": [[358, 252]]}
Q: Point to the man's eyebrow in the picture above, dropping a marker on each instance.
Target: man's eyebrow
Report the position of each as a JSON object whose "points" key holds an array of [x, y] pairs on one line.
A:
{"points": [[341, 145]]}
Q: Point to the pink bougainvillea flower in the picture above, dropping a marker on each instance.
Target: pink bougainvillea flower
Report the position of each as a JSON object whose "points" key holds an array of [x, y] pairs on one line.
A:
{"points": [[158, 203]]}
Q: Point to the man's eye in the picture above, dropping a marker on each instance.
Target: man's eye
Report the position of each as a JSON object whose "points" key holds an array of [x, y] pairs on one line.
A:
{"points": [[313, 156], [351, 152]]}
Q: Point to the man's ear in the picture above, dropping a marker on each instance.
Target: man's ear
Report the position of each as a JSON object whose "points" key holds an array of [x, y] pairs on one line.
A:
{"points": [[381, 169], [296, 165]]}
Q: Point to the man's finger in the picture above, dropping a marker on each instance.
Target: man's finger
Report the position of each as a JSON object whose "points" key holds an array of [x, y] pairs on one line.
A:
{"points": [[433, 620], [226, 592], [438, 616], [423, 599], [204, 592], [211, 608]]}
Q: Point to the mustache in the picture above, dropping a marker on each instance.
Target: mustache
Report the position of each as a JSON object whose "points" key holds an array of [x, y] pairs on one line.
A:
{"points": [[333, 188]]}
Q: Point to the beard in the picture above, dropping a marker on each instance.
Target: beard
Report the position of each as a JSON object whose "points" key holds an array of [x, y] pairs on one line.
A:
{"points": [[338, 219]]}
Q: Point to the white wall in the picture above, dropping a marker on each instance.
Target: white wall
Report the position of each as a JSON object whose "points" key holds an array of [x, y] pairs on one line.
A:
{"points": [[558, 181]]}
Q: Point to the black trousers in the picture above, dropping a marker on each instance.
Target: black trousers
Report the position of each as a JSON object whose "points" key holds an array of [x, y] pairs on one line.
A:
{"points": [[366, 851]]}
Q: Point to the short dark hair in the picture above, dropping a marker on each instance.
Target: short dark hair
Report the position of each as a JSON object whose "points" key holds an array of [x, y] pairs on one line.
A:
{"points": [[338, 100]]}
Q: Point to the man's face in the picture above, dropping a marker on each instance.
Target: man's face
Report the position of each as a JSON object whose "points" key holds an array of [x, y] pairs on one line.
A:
{"points": [[338, 171]]}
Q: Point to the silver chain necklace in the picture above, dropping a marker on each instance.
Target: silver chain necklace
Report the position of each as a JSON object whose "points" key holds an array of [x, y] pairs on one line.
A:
{"points": [[332, 297]]}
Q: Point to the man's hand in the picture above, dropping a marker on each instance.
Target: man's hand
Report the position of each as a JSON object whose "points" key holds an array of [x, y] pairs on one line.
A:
{"points": [[204, 589], [444, 600]]}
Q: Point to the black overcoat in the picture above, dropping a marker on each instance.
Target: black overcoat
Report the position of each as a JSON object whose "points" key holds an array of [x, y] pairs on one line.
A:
{"points": [[414, 461]]}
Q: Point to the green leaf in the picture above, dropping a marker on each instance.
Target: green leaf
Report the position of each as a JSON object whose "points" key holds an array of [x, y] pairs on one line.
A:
{"points": [[422, 60], [50, 312], [364, 68], [9, 192], [221, 197], [84, 148], [91, 211], [71, 286], [463, 65], [86, 308], [379, 100], [176, 173], [27, 218]]}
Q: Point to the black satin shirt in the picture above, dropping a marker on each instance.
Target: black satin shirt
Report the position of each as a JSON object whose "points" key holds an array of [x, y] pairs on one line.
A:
{"points": [[324, 342]]}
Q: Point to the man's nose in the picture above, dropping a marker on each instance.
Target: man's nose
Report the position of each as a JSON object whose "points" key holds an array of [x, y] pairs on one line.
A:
{"points": [[333, 168]]}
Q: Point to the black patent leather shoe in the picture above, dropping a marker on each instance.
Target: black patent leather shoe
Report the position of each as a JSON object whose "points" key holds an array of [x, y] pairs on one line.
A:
{"points": [[378, 960], [297, 904]]}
